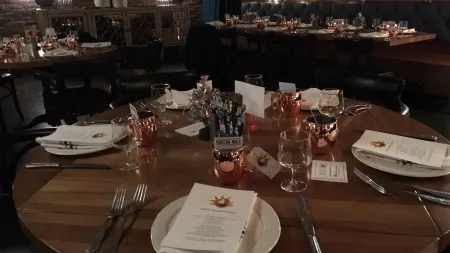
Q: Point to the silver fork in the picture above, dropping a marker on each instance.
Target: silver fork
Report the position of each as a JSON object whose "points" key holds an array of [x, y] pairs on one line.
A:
{"points": [[137, 204], [116, 210], [380, 188]]}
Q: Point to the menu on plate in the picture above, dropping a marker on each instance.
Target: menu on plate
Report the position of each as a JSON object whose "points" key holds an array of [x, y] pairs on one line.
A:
{"points": [[212, 219], [398, 147]]}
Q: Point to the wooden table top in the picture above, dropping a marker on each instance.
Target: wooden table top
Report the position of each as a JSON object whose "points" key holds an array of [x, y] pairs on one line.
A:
{"points": [[26, 62], [62, 210], [399, 40]]}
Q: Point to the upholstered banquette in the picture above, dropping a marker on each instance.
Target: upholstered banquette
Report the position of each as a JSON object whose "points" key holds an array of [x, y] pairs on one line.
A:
{"points": [[431, 17]]}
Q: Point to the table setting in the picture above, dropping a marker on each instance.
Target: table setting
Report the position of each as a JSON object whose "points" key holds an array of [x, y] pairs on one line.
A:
{"points": [[238, 172]]}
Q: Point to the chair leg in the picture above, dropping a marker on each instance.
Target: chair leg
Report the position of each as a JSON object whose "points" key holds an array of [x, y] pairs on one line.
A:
{"points": [[16, 100]]}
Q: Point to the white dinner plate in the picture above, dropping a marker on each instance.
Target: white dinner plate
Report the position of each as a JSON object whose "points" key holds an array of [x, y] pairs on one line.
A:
{"points": [[59, 54], [374, 35], [275, 28], [398, 169], [72, 152], [171, 107], [261, 236]]}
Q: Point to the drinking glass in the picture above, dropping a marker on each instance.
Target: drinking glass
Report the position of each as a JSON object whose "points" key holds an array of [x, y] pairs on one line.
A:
{"points": [[403, 24], [329, 21], [126, 135], [312, 16], [163, 96], [376, 22], [346, 21], [294, 152], [331, 102], [227, 16], [254, 79]]}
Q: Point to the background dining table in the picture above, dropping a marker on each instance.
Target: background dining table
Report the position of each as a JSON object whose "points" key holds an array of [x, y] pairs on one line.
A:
{"points": [[61, 210]]}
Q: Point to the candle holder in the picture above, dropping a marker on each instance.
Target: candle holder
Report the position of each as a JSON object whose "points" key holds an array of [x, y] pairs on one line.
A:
{"points": [[229, 165]]}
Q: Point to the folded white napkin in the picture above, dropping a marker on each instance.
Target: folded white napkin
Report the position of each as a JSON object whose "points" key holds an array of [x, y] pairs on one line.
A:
{"points": [[275, 28], [71, 137], [310, 99], [374, 35], [322, 31], [350, 27], [216, 23], [58, 52], [96, 44], [303, 25], [412, 30], [181, 98]]}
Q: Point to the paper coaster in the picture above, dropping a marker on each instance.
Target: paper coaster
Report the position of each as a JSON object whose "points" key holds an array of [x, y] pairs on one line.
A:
{"points": [[260, 159], [191, 130], [329, 171]]}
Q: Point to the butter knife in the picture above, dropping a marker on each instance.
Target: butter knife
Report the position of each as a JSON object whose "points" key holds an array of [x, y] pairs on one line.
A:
{"points": [[67, 166], [307, 224]]}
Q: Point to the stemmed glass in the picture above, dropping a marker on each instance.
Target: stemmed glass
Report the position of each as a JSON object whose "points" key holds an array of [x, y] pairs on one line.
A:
{"points": [[331, 102], [162, 95], [403, 25], [126, 135], [294, 152]]}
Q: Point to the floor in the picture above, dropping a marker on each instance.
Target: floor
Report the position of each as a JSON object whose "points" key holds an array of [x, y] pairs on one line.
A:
{"points": [[29, 92]]}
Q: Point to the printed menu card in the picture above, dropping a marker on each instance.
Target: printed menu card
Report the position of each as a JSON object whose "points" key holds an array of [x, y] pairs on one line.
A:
{"points": [[212, 219], [398, 147]]}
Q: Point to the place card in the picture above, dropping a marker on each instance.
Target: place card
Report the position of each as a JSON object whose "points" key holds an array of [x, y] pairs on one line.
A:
{"points": [[426, 153], [264, 162], [287, 87], [252, 96], [191, 130], [212, 219], [329, 171]]}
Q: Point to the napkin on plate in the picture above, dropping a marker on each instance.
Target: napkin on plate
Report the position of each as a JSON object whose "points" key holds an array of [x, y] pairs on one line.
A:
{"points": [[181, 98], [58, 52], [412, 30], [78, 137], [96, 44], [311, 98], [216, 23]]}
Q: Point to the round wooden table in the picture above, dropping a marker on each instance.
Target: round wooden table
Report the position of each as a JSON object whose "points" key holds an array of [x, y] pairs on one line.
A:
{"points": [[61, 210]]}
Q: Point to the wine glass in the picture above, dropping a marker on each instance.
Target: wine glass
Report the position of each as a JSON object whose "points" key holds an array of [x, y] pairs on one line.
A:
{"points": [[163, 96], [376, 22], [312, 16], [403, 25], [126, 135], [294, 152], [331, 102], [254, 79]]}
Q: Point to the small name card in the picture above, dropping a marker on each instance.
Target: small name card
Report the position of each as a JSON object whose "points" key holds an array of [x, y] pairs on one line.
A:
{"points": [[227, 143]]}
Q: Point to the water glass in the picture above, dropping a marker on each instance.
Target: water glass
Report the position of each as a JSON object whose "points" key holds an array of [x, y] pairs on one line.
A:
{"points": [[376, 22], [329, 21], [162, 95], [254, 79], [126, 135], [312, 17], [331, 102], [294, 152], [403, 24]]}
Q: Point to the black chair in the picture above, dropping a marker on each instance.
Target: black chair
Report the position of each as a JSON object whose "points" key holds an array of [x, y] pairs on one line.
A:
{"points": [[134, 61], [385, 91], [13, 238], [136, 88], [80, 98], [7, 82]]}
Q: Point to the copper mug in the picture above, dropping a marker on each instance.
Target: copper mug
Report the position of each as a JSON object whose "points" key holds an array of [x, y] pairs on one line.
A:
{"points": [[289, 103], [323, 131], [148, 126], [229, 165]]}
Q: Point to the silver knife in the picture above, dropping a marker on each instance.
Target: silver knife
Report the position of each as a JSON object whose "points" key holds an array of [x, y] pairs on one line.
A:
{"points": [[67, 166], [307, 224]]}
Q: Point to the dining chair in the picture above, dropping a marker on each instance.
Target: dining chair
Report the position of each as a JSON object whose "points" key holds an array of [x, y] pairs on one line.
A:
{"points": [[13, 237], [381, 90], [68, 91], [139, 60], [139, 87], [7, 82]]}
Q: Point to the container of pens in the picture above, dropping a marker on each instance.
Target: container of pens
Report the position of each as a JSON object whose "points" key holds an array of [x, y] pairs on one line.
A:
{"points": [[228, 118]]}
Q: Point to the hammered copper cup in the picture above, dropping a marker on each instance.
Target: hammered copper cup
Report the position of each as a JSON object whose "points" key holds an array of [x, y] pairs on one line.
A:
{"points": [[229, 165], [323, 133], [148, 126], [289, 103]]}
